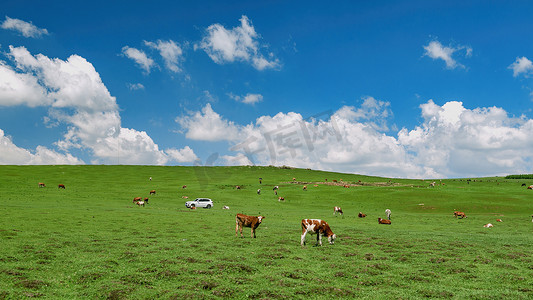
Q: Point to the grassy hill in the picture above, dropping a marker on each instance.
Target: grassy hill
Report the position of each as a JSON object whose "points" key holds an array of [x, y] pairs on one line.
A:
{"points": [[90, 241]]}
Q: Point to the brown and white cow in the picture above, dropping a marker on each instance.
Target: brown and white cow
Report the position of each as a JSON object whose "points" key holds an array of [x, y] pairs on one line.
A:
{"points": [[499, 220], [337, 209], [61, 186], [305, 188], [140, 203], [361, 215], [136, 199], [459, 214], [152, 192], [384, 221], [281, 199], [41, 184], [247, 221], [318, 227]]}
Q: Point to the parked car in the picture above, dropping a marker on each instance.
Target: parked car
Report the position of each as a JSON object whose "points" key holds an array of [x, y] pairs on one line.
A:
{"points": [[199, 202]]}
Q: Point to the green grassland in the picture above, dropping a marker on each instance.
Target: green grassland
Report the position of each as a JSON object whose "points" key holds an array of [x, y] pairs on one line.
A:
{"points": [[91, 241]]}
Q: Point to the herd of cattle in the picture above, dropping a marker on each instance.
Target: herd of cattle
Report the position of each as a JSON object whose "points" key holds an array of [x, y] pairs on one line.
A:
{"points": [[309, 226]]}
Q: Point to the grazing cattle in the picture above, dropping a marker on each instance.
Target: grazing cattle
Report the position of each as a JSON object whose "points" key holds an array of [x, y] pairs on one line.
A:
{"points": [[152, 192], [337, 209], [530, 187], [432, 184], [523, 184], [184, 187], [275, 188], [315, 185], [293, 179], [281, 198], [145, 200], [458, 214], [225, 207], [192, 207], [260, 180], [238, 187], [137, 199], [488, 225], [346, 186], [499, 220], [247, 221], [361, 215], [531, 218], [259, 191], [61, 186], [184, 197], [383, 221], [318, 227], [140, 203], [305, 188], [150, 178], [388, 213], [41, 184], [334, 180]]}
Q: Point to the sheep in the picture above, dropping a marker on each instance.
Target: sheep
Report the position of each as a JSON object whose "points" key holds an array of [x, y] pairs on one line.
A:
{"points": [[388, 213]]}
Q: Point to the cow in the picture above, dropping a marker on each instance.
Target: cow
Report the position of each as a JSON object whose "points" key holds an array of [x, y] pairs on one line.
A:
{"points": [[305, 188], [225, 207], [247, 221], [281, 198], [184, 197], [532, 218], [530, 187], [499, 220], [145, 200], [152, 192], [459, 214], [260, 180], [238, 187], [140, 203], [361, 215], [61, 186], [150, 178], [318, 227], [488, 225], [136, 199], [184, 187], [294, 179], [336, 210], [259, 191], [388, 213], [383, 221], [275, 188], [41, 184]]}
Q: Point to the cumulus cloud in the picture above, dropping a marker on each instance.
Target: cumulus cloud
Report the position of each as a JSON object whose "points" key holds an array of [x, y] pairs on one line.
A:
{"points": [[184, 155], [236, 44], [135, 86], [27, 29], [13, 155], [452, 141], [170, 51], [436, 50], [248, 98], [207, 125], [77, 97], [522, 65], [139, 57]]}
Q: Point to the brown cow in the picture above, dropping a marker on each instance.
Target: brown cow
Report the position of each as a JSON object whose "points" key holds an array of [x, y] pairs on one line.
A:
{"points": [[384, 221], [247, 221], [499, 220], [61, 186], [361, 215], [305, 188], [238, 187], [459, 214], [41, 184], [337, 209], [530, 187], [184, 187], [281, 198], [146, 200], [152, 192], [318, 227], [136, 199]]}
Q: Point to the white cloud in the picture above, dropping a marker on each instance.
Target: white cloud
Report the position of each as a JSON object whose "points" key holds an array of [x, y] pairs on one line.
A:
{"points": [[238, 44], [207, 125], [436, 50], [172, 53], [139, 57], [452, 141], [135, 86], [248, 99], [13, 155], [24, 28], [522, 65], [185, 155], [77, 97]]}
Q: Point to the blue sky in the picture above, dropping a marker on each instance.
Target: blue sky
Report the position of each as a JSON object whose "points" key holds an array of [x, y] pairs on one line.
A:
{"points": [[392, 88]]}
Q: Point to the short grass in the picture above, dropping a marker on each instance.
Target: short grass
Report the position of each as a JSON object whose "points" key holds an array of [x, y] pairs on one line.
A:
{"points": [[91, 241]]}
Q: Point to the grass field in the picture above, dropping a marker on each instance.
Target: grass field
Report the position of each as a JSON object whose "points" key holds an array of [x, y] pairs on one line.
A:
{"points": [[90, 241]]}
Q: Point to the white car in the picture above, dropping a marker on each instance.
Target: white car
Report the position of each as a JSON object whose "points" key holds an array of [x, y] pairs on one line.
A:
{"points": [[200, 202]]}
